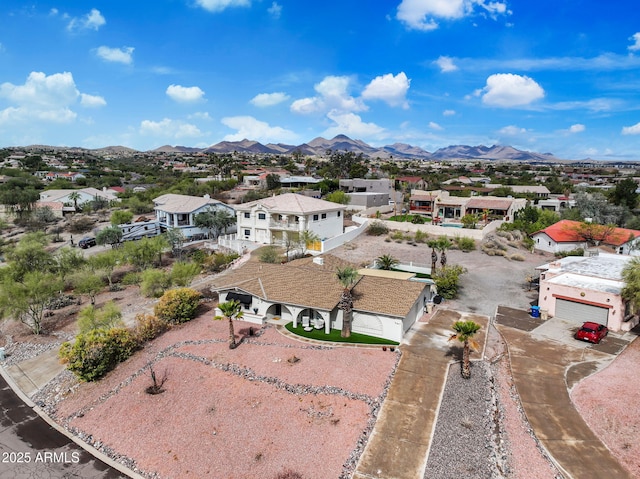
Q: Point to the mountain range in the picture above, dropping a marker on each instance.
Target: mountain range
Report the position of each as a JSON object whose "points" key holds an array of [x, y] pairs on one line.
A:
{"points": [[319, 147]]}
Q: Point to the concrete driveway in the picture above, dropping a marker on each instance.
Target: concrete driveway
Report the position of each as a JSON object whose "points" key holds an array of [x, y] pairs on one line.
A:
{"points": [[546, 362]]}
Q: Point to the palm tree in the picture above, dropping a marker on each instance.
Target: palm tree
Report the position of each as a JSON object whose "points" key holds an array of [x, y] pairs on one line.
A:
{"points": [[386, 261], [75, 196], [348, 277], [464, 332], [231, 310], [631, 290]]}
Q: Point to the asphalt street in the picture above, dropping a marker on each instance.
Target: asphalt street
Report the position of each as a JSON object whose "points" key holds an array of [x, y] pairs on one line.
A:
{"points": [[31, 448]]}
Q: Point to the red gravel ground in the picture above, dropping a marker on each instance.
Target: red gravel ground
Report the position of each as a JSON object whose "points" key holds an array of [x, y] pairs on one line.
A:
{"points": [[237, 413]]}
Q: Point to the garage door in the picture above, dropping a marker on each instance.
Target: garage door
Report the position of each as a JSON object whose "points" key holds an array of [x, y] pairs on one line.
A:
{"points": [[579, 312]]}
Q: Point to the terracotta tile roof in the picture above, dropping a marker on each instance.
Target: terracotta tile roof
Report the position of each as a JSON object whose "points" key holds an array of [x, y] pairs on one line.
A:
{"points": [[388, 296], [316, 286], [489, 204], [566, 231], [292, 203]]}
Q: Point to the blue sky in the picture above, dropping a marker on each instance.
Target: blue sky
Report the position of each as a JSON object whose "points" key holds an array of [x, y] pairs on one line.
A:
{"points": [[549, 76]]}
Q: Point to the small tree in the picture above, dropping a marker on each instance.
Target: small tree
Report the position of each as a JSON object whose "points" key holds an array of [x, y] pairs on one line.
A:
{"points": [[107, 317], [464, 332], [631, 289], [26, 300], [119, 217], [154, 282], [87, 282], [110, 235], [231, 310], [447, 280], [178, 305], [182, 274], [339, 197], [106, 263]]}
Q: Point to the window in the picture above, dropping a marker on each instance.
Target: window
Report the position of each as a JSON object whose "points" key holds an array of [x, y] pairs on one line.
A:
{"points": [[262, 216], [315, 217], [247, 232], [339, 214], [247, 215], [324, 216]]}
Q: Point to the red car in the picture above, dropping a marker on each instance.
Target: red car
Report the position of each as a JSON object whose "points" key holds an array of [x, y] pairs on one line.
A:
{"points": [[591, 332]]}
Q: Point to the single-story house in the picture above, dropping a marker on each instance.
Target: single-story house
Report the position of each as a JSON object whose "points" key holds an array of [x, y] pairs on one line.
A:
{"points": [[85, 195], [179, 211], [271, 220], [587, 288], [440, 203], [307, 292], [566, 235]]}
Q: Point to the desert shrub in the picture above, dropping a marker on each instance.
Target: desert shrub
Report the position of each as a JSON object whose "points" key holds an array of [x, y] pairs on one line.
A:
{"points": [[377, 228], [516, 257], [198, 256], [269, 254], [573, 252], [81, 224], [398, 236], [218, 261], [417, 220], [178, 305], [466, 244], [148, 327], [183, 273], [154, 282], [528, 242], [107, 317], [420, 237], [131, 277], [95, 353], [289, 474], [447, 280]]}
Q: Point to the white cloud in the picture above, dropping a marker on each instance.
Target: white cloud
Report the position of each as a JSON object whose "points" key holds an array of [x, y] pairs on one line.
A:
{"points": [[118, 55], [446, 64], [44, 98], [275, 10], [92, 101], [200, 115], [268, 99], [221, 5], [351, 125], [631, 130], [635, 38], [577, 128], [448, 113], [91, 21], [170, 129], [434, 126], [388, 88], [333, 95], [184, 94], [511, 130], [424, 14], [508, 90], [249, 128]]}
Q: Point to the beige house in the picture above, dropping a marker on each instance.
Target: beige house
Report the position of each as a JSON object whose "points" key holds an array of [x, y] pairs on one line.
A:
{"points": [[580, 288], [307, 292], [275, 219]]}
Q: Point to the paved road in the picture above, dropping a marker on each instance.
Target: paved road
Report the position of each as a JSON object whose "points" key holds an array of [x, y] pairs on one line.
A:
{"points": [[31, 448]]}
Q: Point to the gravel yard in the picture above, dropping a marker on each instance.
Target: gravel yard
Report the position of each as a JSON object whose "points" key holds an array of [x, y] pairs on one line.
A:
{"points": [[275, 404]]}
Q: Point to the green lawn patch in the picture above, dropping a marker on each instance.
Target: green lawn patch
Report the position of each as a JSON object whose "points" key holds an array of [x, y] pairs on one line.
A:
{"points": [[334, 336]]}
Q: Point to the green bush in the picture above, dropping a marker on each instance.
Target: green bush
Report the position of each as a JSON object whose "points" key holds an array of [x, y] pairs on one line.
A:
{"points": [[149, 327], [269, 254], [131, 278], [466, 244], [219, 261], [178, 305], [154, 282], [95, 353], [447, 280], [420, 237], [183, 273], [377, 228]]}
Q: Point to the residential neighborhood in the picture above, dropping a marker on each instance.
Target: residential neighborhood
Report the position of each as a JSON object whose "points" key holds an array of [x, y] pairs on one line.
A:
{"points": [[278, 275]]}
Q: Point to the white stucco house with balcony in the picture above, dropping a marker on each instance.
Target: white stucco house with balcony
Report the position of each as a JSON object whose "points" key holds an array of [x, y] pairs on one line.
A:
{"points": [[271, 220], [179, 211]]}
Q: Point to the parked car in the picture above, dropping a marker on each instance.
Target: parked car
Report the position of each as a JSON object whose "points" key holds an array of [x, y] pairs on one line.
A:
{"points": [[592, 332], [85, 243]]}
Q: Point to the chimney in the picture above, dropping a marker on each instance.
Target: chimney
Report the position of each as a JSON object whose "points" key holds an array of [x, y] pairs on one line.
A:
{"points": [[318, 260]]}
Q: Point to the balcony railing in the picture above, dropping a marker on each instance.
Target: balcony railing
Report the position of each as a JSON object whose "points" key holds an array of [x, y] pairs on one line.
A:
{"points": [[284, 225]]}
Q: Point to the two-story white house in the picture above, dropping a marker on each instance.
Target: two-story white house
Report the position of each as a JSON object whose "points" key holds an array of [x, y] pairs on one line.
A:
{"points": [[179, 211], [271, 220]]}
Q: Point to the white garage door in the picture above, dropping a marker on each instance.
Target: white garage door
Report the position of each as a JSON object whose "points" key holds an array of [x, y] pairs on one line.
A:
{"points": [[579, 312]]}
